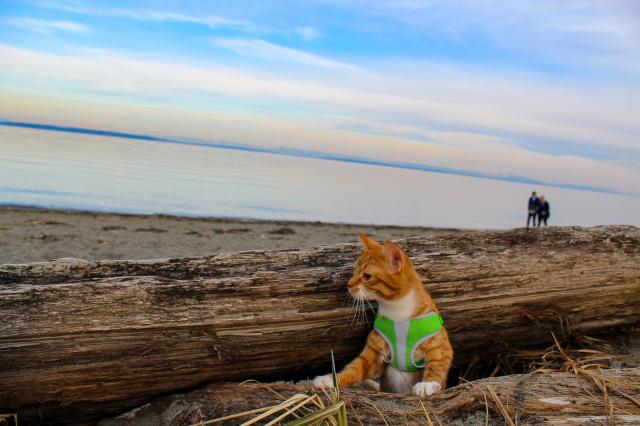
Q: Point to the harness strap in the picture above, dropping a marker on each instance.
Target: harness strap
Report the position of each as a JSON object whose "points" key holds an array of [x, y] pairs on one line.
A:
{"points": [[404, 338]]}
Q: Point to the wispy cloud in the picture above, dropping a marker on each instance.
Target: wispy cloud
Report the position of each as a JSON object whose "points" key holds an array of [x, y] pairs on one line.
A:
{"points": [[599, 33], [435, 98], [46, 27], [307, 32], [211, 21], [262, 49], [208, 20]]}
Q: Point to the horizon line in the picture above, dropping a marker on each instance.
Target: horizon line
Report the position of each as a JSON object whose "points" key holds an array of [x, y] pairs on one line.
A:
{"points": [[301, 153]]}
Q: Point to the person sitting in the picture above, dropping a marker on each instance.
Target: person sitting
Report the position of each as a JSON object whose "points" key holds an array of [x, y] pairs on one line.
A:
{"points": [[543, 211], [533, 206]]}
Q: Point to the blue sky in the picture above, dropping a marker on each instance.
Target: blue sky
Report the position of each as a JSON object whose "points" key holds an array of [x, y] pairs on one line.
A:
{"points": [[543, 89]]}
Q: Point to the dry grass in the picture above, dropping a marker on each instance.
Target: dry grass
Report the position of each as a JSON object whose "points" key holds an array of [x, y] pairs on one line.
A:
{"points": [[584, 356], [298, 410], [306, 409], [588, 352], [586, 359], [6, 417], [500, 406]]}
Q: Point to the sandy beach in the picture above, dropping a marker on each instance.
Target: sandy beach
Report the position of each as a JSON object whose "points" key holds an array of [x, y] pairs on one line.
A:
{"points": [[33, 235]]}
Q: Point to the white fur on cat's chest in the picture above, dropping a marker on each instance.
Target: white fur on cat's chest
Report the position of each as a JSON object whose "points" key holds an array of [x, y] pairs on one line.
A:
{"points": [[401, 382], [395, 381], [398, 310]]}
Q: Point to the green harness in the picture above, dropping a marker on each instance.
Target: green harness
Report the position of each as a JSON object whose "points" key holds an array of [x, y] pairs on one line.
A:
{"points": [[404, 337]]}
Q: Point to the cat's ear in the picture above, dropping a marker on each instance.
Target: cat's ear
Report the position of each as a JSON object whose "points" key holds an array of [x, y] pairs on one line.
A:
{"points": [[368, 243], [394, 256]]}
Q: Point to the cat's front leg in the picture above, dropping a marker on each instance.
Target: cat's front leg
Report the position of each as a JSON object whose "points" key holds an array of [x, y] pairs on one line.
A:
{"points": [[438, 353], [366, 365]]}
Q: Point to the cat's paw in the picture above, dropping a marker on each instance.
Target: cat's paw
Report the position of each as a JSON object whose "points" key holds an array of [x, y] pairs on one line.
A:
{"points": [[323, 382], [426, 388]]}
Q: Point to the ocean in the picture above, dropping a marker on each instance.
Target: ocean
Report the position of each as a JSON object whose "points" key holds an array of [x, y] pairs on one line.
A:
{"points": [[62, 170]]}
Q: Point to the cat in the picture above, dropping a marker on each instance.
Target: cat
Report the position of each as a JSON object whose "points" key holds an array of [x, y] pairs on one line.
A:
{"points": [[407, 331]]}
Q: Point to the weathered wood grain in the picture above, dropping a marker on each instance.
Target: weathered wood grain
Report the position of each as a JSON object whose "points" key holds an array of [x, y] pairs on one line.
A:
{"points": [[532, 399], [94, 336]]}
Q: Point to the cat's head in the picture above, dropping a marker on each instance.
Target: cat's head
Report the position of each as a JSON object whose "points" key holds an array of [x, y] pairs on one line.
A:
{"points": [[383, 272]]}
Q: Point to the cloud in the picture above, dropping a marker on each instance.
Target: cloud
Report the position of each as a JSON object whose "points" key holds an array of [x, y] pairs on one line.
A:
{"points": [[211, 21], [595, 33], [576, 35], [262, 49], [307, 32], [46, 27], [435, 98]]}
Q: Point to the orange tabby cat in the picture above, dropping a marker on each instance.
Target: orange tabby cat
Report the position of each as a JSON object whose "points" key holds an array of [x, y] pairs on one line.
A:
{"points": [[408, 331]]}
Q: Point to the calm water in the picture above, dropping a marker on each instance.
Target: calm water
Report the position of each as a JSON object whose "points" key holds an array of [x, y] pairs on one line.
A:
{"points": [[66, 170]]}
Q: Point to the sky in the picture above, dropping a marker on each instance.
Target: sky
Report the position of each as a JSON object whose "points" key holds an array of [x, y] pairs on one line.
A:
{"points": [[545, 90]]}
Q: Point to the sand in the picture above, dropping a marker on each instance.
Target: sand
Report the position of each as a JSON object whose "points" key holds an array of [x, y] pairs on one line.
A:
{"points": [[34, 235]]}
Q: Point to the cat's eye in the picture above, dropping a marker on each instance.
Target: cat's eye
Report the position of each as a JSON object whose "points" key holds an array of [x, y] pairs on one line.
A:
{"points": [[366, 276]]}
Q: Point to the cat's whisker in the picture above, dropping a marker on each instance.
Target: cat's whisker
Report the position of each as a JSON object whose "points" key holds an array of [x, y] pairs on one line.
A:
{"points": [[356, 313], [373, 311], [354, 306], [352, 313], [354, 309]]}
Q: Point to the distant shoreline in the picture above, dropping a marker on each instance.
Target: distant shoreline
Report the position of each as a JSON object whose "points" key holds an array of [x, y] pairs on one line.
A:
{"points": [[318, 155]]}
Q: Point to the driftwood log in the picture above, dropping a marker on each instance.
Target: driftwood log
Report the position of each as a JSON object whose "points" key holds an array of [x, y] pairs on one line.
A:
{"points": [[531, 399], [92, 338]]}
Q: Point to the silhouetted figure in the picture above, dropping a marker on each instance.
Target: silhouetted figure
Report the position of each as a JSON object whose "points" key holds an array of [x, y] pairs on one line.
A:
{"points": [[534, 205], [543, 211]]}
